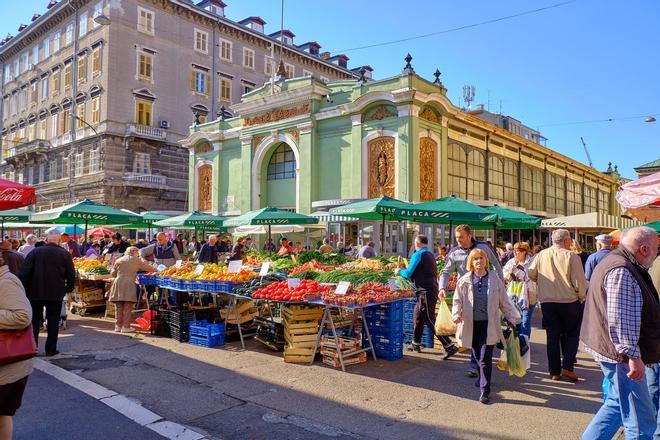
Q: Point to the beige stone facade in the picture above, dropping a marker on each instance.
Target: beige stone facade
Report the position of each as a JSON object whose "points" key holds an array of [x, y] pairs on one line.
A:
{"points": [[136, 84]]}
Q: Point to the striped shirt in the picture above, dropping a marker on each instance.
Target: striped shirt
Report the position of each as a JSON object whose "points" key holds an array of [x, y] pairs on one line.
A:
{"points": [[624, 313]]}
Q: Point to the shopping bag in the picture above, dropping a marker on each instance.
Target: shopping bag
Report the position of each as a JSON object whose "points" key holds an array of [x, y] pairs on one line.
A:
{"points": [[511, 360], [444, 326], [517, 292], [17, 345]]}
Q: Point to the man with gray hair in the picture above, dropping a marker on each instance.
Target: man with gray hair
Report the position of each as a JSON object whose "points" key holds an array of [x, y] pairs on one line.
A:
{"points": [[621, 328], [47, 275], [603, 247], [507, 255], [561, 291], [30, 240]]}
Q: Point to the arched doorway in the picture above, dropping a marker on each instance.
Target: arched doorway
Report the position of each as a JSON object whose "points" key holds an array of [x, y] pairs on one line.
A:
{"points": [[279, 176]]}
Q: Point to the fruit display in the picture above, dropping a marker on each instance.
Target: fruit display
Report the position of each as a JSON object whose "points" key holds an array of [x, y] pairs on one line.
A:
{"points": [[309, 270], [249, 288], [366, 293], [211, 271], [88, 268], [307, 290]]}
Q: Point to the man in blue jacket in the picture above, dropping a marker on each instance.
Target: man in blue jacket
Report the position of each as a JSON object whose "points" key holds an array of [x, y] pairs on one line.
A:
{"points": [[603, 247], [423, 272]]}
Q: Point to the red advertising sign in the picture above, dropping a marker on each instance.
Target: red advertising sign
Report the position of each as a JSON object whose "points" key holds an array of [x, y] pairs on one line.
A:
{"points": [[14, 195]]}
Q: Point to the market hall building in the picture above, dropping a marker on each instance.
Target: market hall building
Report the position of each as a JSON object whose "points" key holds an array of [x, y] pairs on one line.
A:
{"points": [[305, 145]]}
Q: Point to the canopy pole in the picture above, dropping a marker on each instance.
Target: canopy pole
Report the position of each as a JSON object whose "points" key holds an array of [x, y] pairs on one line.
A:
{"points": [[2, 230], [269, 237], [451, 233], [85, 237], [382, 237]]}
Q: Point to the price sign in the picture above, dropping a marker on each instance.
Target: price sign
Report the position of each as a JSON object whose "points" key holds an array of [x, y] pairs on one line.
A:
{"points": [[292, 283], [161, 267], [199, 269], [393, 285], [178, 264], [235, 266], [342, 288], [264, 269]]}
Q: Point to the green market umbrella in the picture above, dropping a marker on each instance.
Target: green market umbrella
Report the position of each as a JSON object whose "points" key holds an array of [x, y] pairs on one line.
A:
{"points": [[270, 216], [146, 221], [13, 215], [87, 212], [381, 208], [511, 219], [654, 225], [192, 220], [450, 210]]}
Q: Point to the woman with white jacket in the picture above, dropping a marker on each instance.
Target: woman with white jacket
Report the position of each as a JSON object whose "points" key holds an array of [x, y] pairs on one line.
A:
{"points": [[479, 298]]}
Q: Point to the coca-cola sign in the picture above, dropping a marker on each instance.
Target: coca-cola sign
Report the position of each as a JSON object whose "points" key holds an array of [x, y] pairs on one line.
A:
{"points": [[12, 195]]}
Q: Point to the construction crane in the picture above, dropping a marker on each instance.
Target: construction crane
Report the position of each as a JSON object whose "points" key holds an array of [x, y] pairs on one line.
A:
{"points": [[584, 144]]}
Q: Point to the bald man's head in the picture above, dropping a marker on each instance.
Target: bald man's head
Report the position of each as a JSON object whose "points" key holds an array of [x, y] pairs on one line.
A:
{"points": [[161, 238], [642, 243]]}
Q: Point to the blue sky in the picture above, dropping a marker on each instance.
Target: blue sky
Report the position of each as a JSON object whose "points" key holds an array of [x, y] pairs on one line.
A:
{"points": [[587, 60]]}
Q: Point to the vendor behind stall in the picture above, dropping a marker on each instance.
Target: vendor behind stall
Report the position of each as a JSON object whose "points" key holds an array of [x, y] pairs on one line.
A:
{"points": [[162, 252], [238, 251], [118, 245], [209, 251]]}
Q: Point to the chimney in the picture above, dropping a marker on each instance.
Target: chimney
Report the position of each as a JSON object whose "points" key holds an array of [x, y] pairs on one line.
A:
{"points": [[325, 55], [51, 4], [21, 27], [35, 16]]}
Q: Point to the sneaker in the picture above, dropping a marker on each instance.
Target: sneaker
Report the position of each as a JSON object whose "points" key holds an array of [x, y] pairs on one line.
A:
{"points": [[471, 372], [449, 352], [570, 375], [484, 398], [417, 348]]}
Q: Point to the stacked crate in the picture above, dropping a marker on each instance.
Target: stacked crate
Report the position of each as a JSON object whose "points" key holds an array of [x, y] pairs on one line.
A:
{"points": [[178, 321], [206, 334], [247, 311], [348, 330], [428, 338], [385, 323], [301, 327], [270, 332]]}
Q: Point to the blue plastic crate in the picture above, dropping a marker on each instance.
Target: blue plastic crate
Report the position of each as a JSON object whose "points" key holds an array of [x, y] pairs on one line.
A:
{"points": [[382, 340], [211, 342], [389, 352], [382, 313], [204, 329]]}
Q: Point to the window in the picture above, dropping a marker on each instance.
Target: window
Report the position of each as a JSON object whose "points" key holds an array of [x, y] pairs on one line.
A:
{"points": [[64, 121], [590, 199], [248, 58], [145, 63], [17, 63], [282, 164], [46, 48], [30, 175], [225, 50], [35, 55], [143, 111], [532, 188], [23, 98], [94, 161], [201, 41], [142, 163], [269, 65], [68, 36], [80, 116], [476, 170], [43, 133], [247, 88], [44, 88], [66, 163], [82, 69], [457, 171], [52, 170], [34, 94], [225, 89], [98, 10], [199, 81], [7, 73], [82, 26], [96, 111], [57, 40], [145, 21], [290, 70], [25, 58], [96, 61], [32, 132], [55, 83], [495, 179], [79, 164], [54, 125], [555, 199], [67, 76], [573, 197], [603, 202], [42, 172]]}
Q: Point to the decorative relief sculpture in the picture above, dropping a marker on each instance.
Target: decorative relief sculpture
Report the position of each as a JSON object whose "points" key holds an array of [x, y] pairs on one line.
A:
{"points": [[427, 169], [295, 134], [380, 113], [381, 167], [429, 115], [277, 115], [204, 147], [204, 188]]}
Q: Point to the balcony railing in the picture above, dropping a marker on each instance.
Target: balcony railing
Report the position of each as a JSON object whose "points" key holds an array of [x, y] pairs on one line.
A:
{"points": [[146, 131], [146, 179], [35, 146]]}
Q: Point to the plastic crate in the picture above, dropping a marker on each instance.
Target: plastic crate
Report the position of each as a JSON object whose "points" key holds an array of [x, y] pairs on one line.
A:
{"points": [[204, 329], [383, 340], [211, 342], [389, 354]]}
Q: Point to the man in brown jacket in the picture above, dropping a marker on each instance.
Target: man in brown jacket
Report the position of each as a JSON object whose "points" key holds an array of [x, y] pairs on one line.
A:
{"points": [[561, 291]]}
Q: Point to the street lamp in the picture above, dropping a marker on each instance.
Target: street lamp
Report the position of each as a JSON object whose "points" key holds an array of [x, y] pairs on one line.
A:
{"points": [[102, 20], [649, 119]]}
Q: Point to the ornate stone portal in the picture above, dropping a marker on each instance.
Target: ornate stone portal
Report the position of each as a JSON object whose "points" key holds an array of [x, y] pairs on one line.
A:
{"points": [[204, 188], [381, 167], [427, 168]]}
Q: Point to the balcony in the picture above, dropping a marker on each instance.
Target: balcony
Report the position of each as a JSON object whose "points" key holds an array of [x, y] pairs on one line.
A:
{"points": [[148, 180], [146, 131], [37, 146]]}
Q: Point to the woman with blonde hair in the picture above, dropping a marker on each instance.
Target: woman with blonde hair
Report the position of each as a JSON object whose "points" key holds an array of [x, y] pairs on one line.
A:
{"points": [[478, 302], [123, 292], [577, 249], [516, 270]]}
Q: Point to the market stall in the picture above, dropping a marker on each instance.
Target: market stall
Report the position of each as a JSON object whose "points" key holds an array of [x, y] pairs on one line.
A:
{"points": [[13, 216], [198, 221], [269, 217]]}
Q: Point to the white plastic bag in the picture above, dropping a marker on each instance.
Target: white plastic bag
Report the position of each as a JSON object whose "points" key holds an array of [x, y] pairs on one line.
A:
{"points": [[444, 326]]}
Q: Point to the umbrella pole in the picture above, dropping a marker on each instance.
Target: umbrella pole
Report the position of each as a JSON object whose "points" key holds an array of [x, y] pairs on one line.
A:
{"points": [[85, 237], [451, 234], [2, 231], [382, 237]]}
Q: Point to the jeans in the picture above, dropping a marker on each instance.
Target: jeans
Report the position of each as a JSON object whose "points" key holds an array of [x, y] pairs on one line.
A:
{"points": [[53, 310], [483, 354], [526, 324], [628, 402], [562, 326], [653, 381], [424, 314]]}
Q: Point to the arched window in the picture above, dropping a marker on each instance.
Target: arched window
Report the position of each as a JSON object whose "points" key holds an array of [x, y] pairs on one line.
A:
{"points": [[495, 179], [457, 171], [282, 164], [476, 170]]}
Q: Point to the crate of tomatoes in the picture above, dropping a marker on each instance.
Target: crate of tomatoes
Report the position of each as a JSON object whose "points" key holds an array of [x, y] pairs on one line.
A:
{"points": [[281, 291]]}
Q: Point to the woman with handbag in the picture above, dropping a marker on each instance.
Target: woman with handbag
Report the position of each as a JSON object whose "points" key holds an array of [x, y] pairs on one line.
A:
{"points": [[123, 292], [515, 270], [15, 314], [477, 302]]}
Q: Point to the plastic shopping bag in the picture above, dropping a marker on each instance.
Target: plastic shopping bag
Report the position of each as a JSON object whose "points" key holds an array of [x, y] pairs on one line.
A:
{"points": [[511, 360], [444, 326], [517, 292]]}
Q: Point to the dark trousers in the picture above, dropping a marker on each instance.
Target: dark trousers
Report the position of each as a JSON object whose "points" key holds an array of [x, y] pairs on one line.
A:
{"points": [[53, 309], [425, 314], [562, 327], [483, 354]]}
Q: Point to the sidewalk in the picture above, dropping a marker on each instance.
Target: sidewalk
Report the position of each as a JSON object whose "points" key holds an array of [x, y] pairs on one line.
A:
{"points": [[54, 410]]}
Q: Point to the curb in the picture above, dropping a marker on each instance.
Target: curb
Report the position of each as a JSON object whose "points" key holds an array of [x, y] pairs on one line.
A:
{"points": [[120, 403]]}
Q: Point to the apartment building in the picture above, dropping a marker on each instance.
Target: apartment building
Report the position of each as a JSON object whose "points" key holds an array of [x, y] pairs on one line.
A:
{"points": [[96, 94]]}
